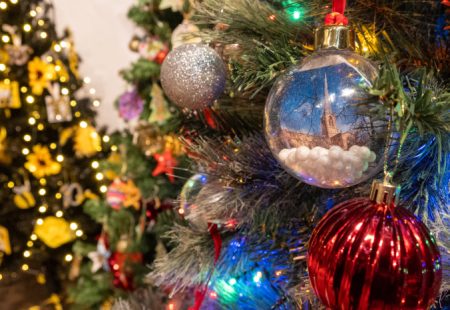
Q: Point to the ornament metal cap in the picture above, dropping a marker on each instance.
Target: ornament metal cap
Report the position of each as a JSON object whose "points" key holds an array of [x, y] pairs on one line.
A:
{"points": [[334, 36], [383, 192]]}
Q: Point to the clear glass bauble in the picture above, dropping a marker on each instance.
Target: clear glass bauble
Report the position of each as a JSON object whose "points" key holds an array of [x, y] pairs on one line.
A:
{"points": [[188, 196], [313, 120]]}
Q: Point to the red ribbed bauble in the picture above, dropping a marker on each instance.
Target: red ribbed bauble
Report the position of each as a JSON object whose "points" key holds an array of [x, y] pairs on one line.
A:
{"points": [[366, 253]]}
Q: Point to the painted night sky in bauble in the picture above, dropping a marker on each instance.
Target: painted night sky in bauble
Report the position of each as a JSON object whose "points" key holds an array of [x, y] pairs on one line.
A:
{"points": [[303, 97]]}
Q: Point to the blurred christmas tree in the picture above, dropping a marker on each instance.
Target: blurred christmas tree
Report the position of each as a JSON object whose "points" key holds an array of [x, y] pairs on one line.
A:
{"points": [[137, 205], [49, 149], [308, 119]]}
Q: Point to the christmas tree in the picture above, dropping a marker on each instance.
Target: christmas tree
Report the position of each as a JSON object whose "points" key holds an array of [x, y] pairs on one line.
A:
{"points": [[327, 112], [49, 149], [138, 203]]}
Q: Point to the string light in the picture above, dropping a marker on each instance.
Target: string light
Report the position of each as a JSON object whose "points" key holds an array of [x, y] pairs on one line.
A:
{"points": [[73, 103], [43, 35], [42, 209], [77, 114], [13, 1], [26, 253], [96, 103], [87, 80], [103, 188], [33, 13], [99, 176], [31, 121], [105, 138], [33, 237], [59, 213], [23, 89], [53, 145], [79, 233], [64, 44], [25, 267], [57, 48], [68, 258], [64, 91], [27, 27], [27, 138], [83, 124], [49, 58], [58, 195], [73, 226], [29, 243], [3, 5], [114, 148], [1, 277], [10, 184], [5, 38], [25, 151], [92, 91], [29, 99], [2, 67], [41, 22], [39, 222], [60, 158], [95, 164], [42, 191]]}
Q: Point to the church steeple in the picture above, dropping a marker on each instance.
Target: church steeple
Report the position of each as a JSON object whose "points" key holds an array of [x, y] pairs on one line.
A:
{"points": [[328, 120], [326, 98]]}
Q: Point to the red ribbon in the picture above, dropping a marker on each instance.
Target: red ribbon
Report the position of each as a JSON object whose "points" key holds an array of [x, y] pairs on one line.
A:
{"points": [[336, 17], [200, 293]]}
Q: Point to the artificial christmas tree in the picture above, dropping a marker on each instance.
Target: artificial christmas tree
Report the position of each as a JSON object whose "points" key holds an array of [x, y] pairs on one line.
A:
{"points": [[329, 131], [48, 149], [139, 199]]}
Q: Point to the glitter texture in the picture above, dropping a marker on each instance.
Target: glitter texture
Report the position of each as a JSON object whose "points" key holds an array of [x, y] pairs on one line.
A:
{"points": [[193, 76]]}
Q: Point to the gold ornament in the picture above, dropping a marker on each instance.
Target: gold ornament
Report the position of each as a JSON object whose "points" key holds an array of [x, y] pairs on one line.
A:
{"points": [[40, 74], [54, 232], [40, 162], [158, 104], [66, 134], [5, 158], [148, 138], [18, 53], [61, 71], [5, 244], [58, 106], [173, 144], [23, 198], [73, 195], [134, 43], [87, 141], [123, 243], [9, 95], [72, 55]]}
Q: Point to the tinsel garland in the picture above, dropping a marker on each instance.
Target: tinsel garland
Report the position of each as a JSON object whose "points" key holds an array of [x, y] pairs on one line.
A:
{"points": [[256, 202]]}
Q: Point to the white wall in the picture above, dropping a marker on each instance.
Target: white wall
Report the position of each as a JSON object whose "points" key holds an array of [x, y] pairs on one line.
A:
{"points": [[101, 33]]}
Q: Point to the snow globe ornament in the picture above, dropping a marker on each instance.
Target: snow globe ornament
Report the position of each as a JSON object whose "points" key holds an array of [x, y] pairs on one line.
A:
{"points": [[314, 123]]}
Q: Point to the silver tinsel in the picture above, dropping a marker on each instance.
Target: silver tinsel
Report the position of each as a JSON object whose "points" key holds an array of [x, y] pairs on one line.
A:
{"points": [[193, 76]]}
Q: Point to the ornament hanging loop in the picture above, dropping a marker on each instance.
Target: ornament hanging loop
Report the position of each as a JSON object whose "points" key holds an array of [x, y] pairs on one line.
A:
{"points": [[337, 17]]}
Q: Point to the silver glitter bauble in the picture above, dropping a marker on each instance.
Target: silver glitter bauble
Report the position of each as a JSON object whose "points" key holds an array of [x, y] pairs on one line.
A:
{"points": [[193, 76]]}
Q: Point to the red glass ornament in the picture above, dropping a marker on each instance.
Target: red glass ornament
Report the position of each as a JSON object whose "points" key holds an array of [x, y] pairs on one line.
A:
{"points": [[123, 277], [159, 59], [369, 255]]}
